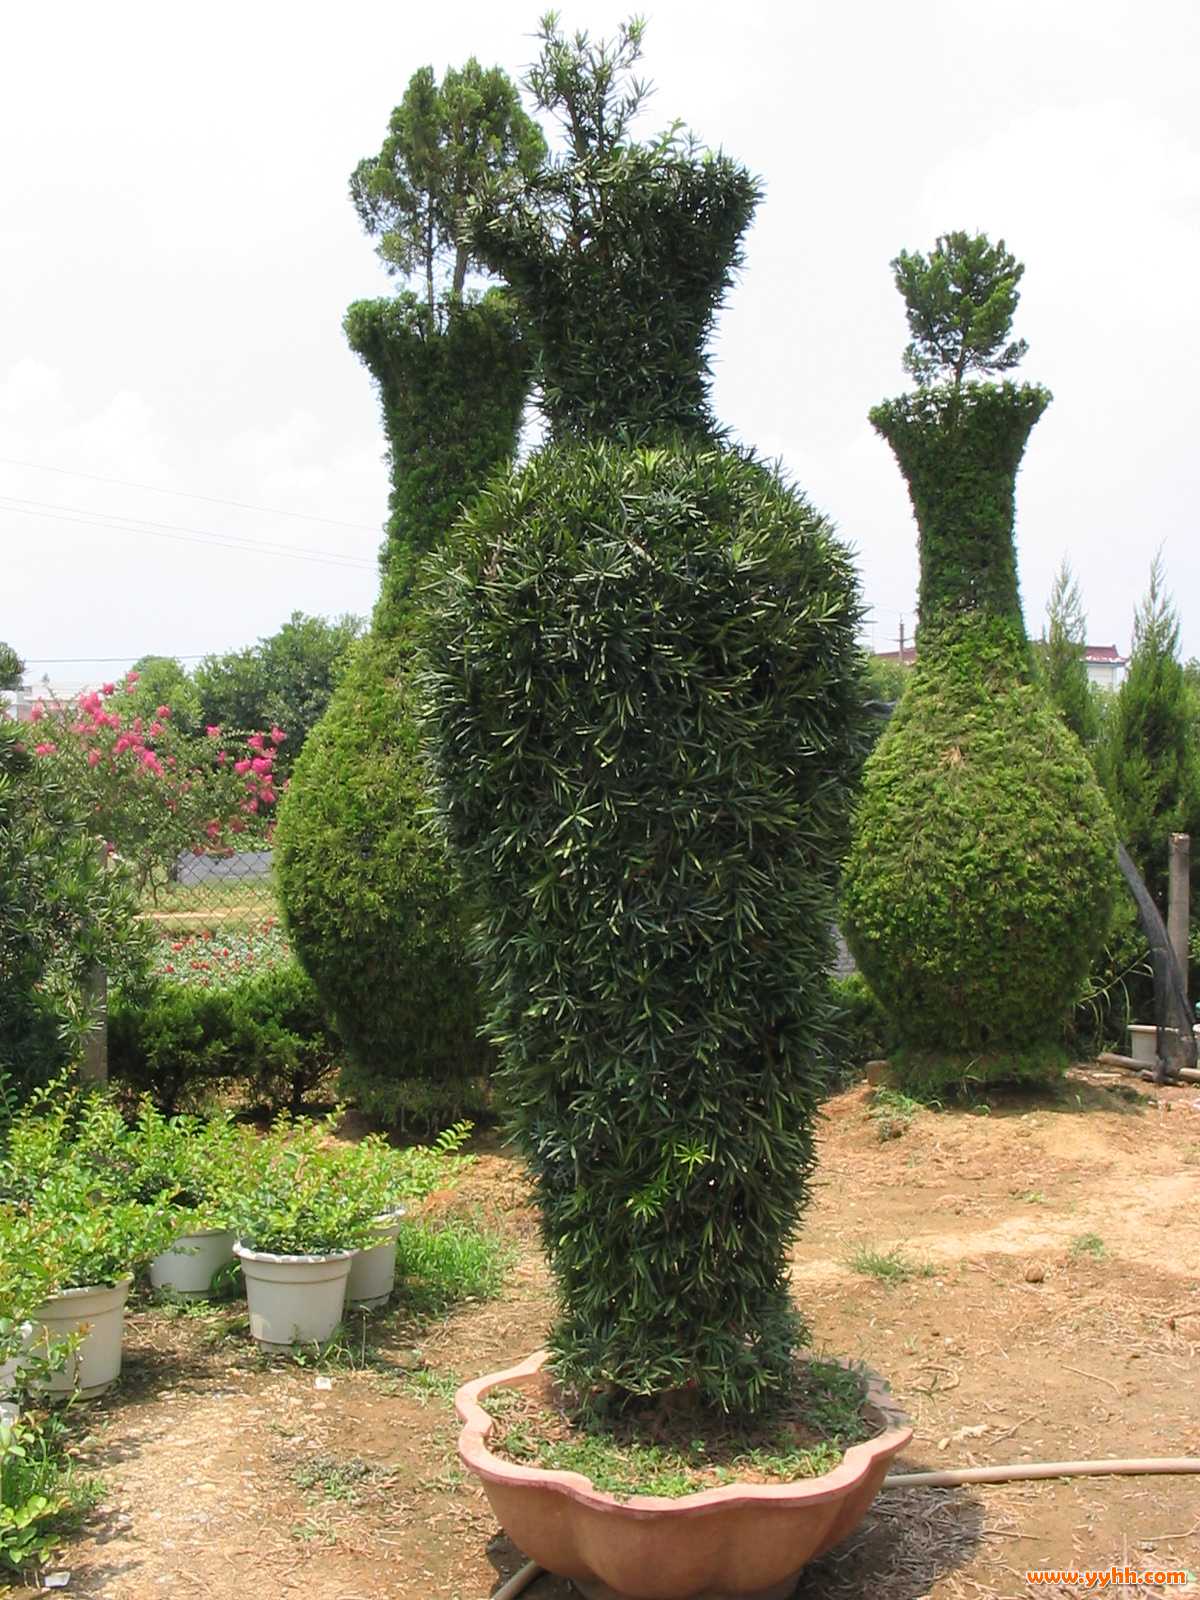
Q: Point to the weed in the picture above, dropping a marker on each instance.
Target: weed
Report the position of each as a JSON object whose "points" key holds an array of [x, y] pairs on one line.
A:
{"points": [[444, 1266], [424, 1384], [888, 1266], [893, 1111], [1088, 1244], [336, 1479], [1031, 1197]]}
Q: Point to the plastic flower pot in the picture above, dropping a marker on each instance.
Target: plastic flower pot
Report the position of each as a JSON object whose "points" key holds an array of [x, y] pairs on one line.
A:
{"points": [[743, 1539], [9, 1409], [294, 1299], [189, 1266], [1143, 1041], [98, 1313], [373, 1271]]}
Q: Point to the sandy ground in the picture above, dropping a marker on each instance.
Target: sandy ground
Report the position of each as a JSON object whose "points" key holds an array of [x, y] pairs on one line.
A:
{"points": [[1054, 1314]]}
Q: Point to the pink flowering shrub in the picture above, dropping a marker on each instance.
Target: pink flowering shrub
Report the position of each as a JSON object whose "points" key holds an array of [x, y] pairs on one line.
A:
{"points": [[154, 793]]}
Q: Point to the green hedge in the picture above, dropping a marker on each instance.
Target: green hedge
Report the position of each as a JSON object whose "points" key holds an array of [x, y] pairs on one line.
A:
{"points": [[184, 1045], [646, 703]]}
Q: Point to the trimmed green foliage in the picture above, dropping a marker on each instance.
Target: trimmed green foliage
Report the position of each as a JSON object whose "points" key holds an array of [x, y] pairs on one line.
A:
{"points": [[982, 872], [960, 304], [959, 450], [645, 698], [859, 1027], [620, 253], [452, 383], [182, 1043], [974, 829], [372, 903]]}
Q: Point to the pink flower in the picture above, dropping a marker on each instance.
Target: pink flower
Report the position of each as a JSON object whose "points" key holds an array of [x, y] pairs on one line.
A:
{"points": [[122, 744], [277, 736], [260, 764], [213, 730], [267, 796], [93, 758], [149, 759], [155, 729], [37, 711], [44, 749], [108, 688], [164, 712], [170, 967], [241, 766], [223, 758], [255, 741], [131, 676]]}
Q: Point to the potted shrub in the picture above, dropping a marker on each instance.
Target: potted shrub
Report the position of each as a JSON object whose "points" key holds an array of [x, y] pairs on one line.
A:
{"points": [[197, 1163], [64, 1178], [300, 1218], [644, 704], [392, 1181]]}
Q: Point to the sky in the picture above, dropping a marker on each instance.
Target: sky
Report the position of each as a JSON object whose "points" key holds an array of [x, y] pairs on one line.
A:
{"points": [[189, 452]]}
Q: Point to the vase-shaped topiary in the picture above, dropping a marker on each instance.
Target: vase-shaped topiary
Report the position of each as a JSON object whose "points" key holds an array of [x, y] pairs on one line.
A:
{"points": [[980, 880], [643, 696], [373, 905]]}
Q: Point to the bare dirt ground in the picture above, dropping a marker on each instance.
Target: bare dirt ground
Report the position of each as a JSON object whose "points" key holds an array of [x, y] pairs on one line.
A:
{"points": [[1054, 1313]]}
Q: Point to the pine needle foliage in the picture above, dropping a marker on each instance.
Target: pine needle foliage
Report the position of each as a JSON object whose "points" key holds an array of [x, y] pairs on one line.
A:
{"points": [[1061, 659]]}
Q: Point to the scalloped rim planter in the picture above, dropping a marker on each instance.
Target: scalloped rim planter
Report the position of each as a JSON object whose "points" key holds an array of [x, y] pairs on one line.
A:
{"points": [[745, 1540]]}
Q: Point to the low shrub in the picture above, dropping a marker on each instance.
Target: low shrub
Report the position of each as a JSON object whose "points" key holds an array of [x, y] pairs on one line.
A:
{"points": [[860, 1031]]}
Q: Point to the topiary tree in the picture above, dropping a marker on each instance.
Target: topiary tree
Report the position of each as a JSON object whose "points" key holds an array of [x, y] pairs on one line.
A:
{"points": [[644, 697], [373, 905], [981, 874], [12, 668]]}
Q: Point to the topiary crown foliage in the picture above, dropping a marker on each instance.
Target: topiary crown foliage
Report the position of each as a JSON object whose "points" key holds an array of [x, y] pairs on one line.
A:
{"points": [[452, 387], [981, 875], [620, 253], [644, 697]]}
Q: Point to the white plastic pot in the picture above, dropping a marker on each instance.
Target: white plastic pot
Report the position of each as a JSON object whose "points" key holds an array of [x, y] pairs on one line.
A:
{"points": [[294, 1299], [192, 1262], [98, 1313], [1143, 1042], [9, 1409], [373, 1271]]}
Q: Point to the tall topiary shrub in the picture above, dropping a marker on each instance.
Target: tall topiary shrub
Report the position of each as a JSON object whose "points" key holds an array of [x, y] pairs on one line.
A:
{"points": [[374, 907], [980, 879], [644, 699]]}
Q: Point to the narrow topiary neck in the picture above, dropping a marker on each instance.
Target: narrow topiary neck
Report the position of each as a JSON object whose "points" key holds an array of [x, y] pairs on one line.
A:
{"points": [[959, 450]]}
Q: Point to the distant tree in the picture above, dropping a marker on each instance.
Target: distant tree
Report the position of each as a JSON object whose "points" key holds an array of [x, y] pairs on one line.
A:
{"points": [[884, 679], [12, 668], [960, 302], [1061, 657], [443, 141], [1147, 758], [162, 681], [284, 681]]}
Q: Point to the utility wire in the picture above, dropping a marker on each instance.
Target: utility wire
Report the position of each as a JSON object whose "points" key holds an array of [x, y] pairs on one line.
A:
{"points": [[169, 530], [184, 494]]}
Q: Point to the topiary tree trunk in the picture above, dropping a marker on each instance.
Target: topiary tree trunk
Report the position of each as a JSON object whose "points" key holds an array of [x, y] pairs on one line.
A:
{"points": [[980, 878], [644, 703]]}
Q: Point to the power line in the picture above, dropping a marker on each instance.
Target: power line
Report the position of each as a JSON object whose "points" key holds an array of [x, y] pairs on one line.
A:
{"points": [[107, 661], [170, 530], [185, 494]]}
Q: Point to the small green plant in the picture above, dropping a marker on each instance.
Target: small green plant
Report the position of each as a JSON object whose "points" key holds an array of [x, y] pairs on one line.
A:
{"points": [[299, 1196], [890, 1267], [424, 1384], [335, 1477], [1088, 1244], [892, 1112], [42, 1496], [444, 1265]]}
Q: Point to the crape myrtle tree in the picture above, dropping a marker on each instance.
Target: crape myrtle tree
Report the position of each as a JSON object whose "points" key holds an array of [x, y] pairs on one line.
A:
{"points": [[373, 904], [981, 875], [644, 697]]}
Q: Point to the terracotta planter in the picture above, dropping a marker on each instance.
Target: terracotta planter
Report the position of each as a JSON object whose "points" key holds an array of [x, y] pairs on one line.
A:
{"points": [[739, 1540]]}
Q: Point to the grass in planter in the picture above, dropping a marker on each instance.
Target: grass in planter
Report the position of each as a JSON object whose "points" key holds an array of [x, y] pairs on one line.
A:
{"points": [[675, 1447]]}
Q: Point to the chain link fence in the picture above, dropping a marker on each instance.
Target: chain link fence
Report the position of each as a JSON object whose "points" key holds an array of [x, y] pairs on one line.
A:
{"points": [[213, 894]]}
